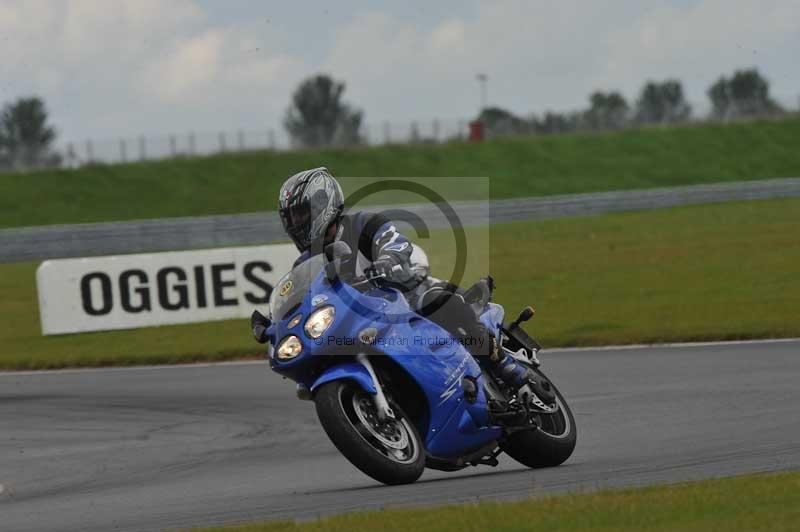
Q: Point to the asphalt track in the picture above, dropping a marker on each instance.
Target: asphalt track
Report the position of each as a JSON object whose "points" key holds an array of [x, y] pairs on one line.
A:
{"points": [[154, 448]]}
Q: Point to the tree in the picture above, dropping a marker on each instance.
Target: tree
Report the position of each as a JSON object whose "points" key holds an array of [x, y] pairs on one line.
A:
{"points": [[607, 111], [553, 122], [746, 93], [662, 103], [26, 139], [498, 121], [317, 115]]}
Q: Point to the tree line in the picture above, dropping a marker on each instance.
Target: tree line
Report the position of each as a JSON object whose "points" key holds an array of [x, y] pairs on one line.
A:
{"points": [[745, 94], [319, 116]]}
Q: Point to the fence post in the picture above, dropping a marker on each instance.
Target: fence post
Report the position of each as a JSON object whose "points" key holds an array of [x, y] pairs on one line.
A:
{"points": [[173, 146], [222, 142], [89, 151], [413, 134], [191, 143], [123, 151], [72, 159], [142, 148]]}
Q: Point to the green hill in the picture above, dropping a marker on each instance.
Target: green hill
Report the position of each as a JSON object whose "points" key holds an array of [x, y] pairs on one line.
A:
{"points": [[521, 166]]}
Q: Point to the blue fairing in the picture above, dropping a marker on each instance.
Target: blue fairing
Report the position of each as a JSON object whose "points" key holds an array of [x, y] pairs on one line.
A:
{"points": [[453, 426], [351, 370]]}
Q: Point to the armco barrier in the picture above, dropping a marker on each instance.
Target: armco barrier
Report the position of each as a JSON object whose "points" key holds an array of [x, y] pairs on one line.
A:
{"points": [[80, 240]]}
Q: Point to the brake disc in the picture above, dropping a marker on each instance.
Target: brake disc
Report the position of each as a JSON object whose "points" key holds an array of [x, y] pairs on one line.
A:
{"points": [[389, 432]]}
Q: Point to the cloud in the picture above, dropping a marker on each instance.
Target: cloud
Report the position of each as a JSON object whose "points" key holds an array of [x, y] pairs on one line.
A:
{"points": [[190, 66], [148, 66], [450, 36], [700, 42], [141, 66], [545, 55]]}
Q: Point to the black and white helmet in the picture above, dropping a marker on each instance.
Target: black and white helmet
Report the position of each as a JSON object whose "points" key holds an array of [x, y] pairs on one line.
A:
{"points": [[309, 202]]}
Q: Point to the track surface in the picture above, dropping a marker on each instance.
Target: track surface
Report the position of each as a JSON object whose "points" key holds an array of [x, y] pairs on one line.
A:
{"points": [[156, 448]]}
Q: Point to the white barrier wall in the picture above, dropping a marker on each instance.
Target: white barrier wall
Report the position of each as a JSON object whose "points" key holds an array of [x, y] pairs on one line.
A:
{"points": [[151, 289]]}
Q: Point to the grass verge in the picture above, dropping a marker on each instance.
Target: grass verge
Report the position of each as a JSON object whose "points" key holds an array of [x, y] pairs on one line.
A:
{"points": [[756, 502], [712, 272], [522, 166]]}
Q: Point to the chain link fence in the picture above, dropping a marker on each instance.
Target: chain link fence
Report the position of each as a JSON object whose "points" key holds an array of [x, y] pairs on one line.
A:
{"points": [[193, 144]]}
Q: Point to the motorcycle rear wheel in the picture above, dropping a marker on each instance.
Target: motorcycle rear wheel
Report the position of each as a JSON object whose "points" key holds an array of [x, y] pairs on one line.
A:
{"points": [[390, 451], [549, 445]]}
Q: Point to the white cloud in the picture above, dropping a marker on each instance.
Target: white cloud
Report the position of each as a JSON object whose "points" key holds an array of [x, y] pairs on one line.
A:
{"points": [[701, 42], [126, 67], [542, 55], [449, 36], [149, 66], [191, 66]]}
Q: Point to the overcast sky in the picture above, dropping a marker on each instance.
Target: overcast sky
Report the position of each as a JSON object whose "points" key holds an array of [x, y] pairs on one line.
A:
{"points": [[110, 68]]}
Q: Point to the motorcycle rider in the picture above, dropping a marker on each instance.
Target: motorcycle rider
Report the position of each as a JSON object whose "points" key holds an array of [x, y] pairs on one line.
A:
{"points": [[311, 208]]}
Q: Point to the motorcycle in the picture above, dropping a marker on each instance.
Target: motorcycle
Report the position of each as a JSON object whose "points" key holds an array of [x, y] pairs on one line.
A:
{"points": [[392, 401]]}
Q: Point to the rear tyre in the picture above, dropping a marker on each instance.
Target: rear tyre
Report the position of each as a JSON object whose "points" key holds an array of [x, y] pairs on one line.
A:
{"points": [[549, 445], [390, 450]]}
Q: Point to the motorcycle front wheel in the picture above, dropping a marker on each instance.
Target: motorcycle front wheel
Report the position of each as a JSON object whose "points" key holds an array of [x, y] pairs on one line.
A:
{"points": [[552, 442], [388, 450]]}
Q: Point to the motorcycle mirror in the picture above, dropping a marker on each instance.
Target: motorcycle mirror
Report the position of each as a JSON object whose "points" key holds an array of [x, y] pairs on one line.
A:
{"points": [[337, 250], [332, 271], [259, 325]]}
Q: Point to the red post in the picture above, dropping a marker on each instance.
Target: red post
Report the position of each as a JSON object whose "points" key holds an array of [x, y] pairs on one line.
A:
{"points": [[476, 131]]}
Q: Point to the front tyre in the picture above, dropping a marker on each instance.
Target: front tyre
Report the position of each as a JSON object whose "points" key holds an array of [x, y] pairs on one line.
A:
{"points": [[550, 444], [390, 450]]}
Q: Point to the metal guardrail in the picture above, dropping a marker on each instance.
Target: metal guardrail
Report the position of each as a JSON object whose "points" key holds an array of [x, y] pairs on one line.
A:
{"points": [[109, 238]]}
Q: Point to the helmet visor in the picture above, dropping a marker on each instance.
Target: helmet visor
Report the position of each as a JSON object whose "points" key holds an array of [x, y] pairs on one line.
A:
{"points": [[299, 215], [297, 222]]}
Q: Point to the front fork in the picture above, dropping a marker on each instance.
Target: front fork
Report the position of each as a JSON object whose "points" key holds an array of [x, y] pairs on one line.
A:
{"points": [[382, 405]]}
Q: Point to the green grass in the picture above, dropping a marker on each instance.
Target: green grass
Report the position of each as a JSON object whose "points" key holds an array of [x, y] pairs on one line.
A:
{"points": [[523, 166], [712, 272], [757, 502]]}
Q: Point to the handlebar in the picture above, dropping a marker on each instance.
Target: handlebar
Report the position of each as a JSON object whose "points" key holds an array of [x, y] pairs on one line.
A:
{"points": [[358, 281]]}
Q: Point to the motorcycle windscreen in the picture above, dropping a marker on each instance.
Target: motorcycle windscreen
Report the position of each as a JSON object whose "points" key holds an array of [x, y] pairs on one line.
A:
{"points": [[292, 288]]}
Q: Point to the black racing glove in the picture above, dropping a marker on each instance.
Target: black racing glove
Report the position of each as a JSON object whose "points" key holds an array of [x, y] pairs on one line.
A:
{"points": [[384, 267]]}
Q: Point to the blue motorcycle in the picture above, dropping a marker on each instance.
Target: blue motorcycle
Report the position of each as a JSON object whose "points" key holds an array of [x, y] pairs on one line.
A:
{"points": [[391, 391]]}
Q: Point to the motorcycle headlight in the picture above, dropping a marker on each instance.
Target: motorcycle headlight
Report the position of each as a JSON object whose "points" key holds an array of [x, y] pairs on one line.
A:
{"points": [[319, 321], [289, 348]]}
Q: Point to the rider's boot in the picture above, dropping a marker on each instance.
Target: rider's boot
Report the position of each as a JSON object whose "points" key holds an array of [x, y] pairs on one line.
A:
{"points": [[508, 369]]}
